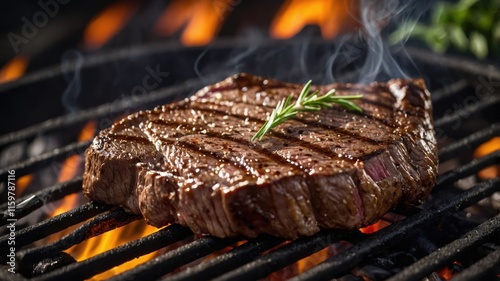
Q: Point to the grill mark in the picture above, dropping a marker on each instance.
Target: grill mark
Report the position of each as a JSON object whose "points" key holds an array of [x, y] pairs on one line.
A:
{"points": [[363, 114], [364, 91], [283, 137], [269, 154], [274, 157], [298, 119], [211, 154], [366, 115], [390, 107], [119, 137], [372, 91]]}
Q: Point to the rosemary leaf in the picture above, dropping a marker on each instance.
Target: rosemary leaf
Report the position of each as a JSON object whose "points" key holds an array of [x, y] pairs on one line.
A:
{"points": [[307, 101]]}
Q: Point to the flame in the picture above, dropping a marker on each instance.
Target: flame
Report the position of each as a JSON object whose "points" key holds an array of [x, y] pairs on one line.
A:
{"points": [[485, 149], [202, 20], [113, 239], [374, 227], [305, 264], [14, 69], [448, 273], [22, 184], [108, 240], [70, 169], [333, 17], [108, 22]]}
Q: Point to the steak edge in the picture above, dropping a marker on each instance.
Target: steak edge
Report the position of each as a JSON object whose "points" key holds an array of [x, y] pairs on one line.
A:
{"points": [[192, 162]]}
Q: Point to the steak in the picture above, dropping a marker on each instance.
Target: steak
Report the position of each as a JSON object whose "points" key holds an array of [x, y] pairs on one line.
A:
{"points": [[193, 162]]}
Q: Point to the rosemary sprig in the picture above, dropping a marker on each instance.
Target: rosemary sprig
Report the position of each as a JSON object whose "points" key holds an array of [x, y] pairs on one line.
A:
{"points": [[307, 101]]}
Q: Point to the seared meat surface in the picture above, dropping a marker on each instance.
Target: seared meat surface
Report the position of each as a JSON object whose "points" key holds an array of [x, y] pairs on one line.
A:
{"points": [[193, 162]]}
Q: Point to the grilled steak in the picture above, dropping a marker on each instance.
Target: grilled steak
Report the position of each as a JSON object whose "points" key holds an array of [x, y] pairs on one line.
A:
{"points": [[192, 162]]}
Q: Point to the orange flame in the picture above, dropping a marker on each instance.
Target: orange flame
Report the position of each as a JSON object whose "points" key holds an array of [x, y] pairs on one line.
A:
{"points": [[374, 227], [22, 184], [448, 273], [108, 22], [14, 69], [70, 168], [485, 149], [113, 239], [108, 240], [202, 20], [333, 17]]}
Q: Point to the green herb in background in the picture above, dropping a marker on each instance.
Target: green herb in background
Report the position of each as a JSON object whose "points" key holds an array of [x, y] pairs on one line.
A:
{"points": [[307, 101], [468, 25]]}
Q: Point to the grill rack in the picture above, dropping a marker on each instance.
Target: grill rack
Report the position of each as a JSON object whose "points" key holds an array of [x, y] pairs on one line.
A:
{"points": [[246, 262]]}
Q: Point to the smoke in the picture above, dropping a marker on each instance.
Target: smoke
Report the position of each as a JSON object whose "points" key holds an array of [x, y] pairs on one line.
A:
{"points": [[368, 52], [71, 65], [364, 55]]}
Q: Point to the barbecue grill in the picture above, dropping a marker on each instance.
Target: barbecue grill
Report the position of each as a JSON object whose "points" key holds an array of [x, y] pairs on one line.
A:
{"points": [[454, 234], [471, 243]]}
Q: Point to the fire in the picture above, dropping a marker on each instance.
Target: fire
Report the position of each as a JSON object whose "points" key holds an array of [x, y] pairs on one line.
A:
{"points": [[109, 240], [113, 239], [70, 168], [305, 264], [202, 20], [448, 273], [108, 22], [333, 17], [485, 149], [22, 184], [375, 227], [309, 262], [14, 69]]}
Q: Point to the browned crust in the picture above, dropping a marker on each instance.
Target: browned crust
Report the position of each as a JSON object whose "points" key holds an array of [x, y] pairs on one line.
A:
{"points": [[342, 189]]}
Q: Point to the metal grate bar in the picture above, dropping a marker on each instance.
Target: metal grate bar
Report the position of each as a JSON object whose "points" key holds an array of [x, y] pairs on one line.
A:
{"points": [[98, 225], [471, 141], [6, 275], [45, 228], [286, 255], [105, 110], [446, 254], [38, 162], [119, 255], [27, 204], [481, 269], [448, 120], [228, 261], [389, 235], [173, 259], [22, 209], [450, 90], [468, 169], [457, 63]]}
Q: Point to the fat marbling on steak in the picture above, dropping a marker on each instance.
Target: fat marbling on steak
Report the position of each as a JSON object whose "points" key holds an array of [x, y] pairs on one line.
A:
{"points": [[193, 162]]}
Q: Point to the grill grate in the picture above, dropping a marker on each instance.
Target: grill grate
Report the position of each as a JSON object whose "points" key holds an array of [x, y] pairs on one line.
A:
{"points": [[259, 257]]}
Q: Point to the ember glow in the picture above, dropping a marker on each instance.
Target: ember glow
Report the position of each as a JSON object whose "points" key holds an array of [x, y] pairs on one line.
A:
{"points": [[70, 170], [107, 241], [14, 69], [485, 149], [201, 20], [22, 183], [113, 239], [107, 23], [375, 227], [448, 273], [333, 17]]}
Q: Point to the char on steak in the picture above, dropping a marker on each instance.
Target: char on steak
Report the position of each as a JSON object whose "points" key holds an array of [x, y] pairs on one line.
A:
{"points": [[193, 162]]}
